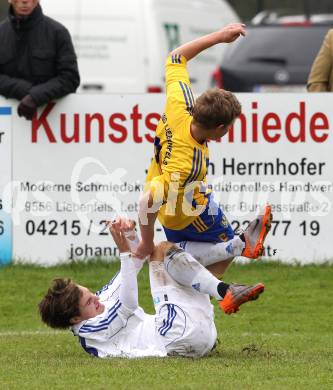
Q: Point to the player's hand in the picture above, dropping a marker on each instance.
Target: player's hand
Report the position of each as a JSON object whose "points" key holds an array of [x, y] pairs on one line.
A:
{"points": [[128, 228], [231, 32], [144, 249], [117, 229]]}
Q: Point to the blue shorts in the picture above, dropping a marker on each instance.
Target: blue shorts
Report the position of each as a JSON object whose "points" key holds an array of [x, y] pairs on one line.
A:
{"points": [[205, 228]]}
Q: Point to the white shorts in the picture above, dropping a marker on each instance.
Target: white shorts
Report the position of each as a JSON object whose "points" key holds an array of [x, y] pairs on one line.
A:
{"points": [[184, 317]]}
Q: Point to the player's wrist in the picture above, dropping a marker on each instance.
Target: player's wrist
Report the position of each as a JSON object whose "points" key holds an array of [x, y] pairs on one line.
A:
{"points": [[216, 37], [148, 242]]}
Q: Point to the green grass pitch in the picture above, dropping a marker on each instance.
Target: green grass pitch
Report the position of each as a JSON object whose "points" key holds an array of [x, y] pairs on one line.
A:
{"points": [[282, 341]]}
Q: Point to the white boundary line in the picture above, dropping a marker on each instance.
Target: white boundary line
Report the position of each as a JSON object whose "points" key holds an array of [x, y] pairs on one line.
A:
{"points": [[32, 333], [56, 332]]}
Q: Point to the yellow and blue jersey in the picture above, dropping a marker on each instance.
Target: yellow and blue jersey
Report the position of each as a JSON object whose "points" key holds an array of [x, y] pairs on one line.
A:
{"points": [[179, 159]]}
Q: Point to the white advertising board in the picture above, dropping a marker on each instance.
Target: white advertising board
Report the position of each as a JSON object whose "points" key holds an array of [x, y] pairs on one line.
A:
{"points": [[83, 160]]}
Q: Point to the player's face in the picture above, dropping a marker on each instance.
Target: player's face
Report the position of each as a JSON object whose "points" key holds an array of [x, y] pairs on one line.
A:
{"points": [[23, 7], [89, 304]]}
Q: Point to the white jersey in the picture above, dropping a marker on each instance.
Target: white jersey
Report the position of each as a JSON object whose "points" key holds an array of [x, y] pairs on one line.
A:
{"points": [[183, 324], [118, 331]]}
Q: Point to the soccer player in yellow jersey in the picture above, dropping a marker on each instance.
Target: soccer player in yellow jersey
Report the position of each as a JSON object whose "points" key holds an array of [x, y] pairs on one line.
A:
{"points": [[177, 191]]}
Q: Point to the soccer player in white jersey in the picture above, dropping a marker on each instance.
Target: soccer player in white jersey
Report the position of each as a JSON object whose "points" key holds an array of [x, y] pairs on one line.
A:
{"points": [[110, 323]]}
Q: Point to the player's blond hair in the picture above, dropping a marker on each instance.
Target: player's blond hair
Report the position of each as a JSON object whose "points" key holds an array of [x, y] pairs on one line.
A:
{"points": [[216, 107]]}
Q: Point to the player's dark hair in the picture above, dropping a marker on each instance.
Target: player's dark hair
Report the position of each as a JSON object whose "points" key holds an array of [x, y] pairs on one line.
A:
{"points": [[216, 107], [60, 304]]}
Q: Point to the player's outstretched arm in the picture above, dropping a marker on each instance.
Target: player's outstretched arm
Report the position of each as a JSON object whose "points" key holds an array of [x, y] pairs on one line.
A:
{"points": [[128, 294], [227, 34], [148, 211]]}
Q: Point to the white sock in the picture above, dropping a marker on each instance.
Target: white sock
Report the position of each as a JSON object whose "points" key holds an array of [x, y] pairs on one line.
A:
{"points": [[187, 271], [208, 253]]}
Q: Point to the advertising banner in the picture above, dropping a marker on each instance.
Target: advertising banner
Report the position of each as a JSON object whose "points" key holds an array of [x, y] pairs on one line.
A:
{"points": [[83, 160]]}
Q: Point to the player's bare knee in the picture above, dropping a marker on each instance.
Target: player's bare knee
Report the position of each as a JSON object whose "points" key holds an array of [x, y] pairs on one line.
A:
{"points": [[157, 254], [167, 246], [160, 251]]}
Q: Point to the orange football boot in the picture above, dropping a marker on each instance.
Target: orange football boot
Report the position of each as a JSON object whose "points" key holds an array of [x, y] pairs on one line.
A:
{"points": [[237, 294], [256, 233]]}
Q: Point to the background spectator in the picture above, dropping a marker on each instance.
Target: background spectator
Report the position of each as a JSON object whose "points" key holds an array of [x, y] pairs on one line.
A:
{"points": [[37, 58], [321, 74]]}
